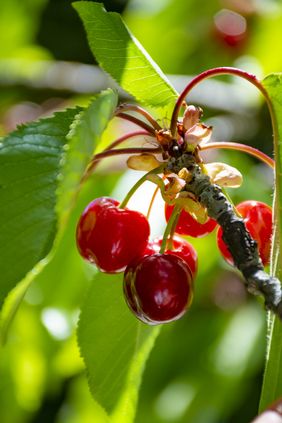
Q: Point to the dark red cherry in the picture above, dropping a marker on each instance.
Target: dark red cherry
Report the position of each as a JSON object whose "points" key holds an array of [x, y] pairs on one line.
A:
{"points": [[109, 236], [181, 248], [187, 225], [258, 220], [158, 288]]}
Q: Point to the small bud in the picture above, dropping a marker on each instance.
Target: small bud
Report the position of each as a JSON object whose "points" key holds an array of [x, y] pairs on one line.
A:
{"points": [[145, 162], [224, 175]]}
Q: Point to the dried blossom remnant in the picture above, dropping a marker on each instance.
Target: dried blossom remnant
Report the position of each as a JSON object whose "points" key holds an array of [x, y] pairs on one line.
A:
{"points": [[145, 162], [191, 117], [224, 175], [194, 131], [199, 133]]}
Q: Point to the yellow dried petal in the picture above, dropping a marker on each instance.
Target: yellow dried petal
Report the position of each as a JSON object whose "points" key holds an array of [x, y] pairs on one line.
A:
{"points": [[224, 175], [145, 162], [193, 207], [175, 185]]}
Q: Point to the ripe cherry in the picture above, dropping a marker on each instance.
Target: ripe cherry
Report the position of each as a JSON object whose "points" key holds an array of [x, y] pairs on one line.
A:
{"points": [[181, 248], [187, 225], [258, 220], [158, 288], [109, 236], [230, 29]]}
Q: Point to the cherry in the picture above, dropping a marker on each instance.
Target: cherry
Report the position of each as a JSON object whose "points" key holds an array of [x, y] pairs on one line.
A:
{"points": [[181, 248], [187, 225], [258, 220], [230, 28], [158, 288], [109, 236]]}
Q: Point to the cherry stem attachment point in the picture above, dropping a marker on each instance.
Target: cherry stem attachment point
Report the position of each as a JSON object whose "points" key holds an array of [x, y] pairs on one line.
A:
{"points": [[239, 147], [170, 227], [144, 178]]}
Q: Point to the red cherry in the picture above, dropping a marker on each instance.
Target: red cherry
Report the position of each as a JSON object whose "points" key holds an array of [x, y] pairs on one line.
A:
{"points": [[187, 225], [158, 288], [258, 220], [230, 28], [109, 236], [181, 248]]}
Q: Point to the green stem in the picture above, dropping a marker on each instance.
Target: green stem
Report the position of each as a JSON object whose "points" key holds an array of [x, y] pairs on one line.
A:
{"points": [[170, 227], [139, 183], [152, 202]]}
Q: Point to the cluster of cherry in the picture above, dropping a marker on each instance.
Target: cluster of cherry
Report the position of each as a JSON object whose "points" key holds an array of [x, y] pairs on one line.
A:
{"points": [[158, 286]]}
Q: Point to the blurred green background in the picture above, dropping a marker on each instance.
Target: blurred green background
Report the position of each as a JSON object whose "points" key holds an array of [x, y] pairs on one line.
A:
{"points": [[207, 367]]}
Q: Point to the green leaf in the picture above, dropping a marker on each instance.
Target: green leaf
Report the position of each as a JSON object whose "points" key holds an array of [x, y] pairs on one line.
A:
{"points": [[85, 135], [122, 56], [272, 383], [114, 346], [29, 168]]}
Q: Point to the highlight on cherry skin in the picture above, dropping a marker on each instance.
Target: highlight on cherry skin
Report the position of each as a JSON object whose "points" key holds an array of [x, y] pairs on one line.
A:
{"points": [[106, 235], [179, 247], [258, 220], [187, 225], [158, 288]]}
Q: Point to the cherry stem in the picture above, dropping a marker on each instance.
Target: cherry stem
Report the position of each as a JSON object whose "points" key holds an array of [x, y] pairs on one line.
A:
{"points": [[144, 178], [125, 107], [137, 121], [240, 147], [215, 72], [117, 152], [170, 227], [152, 202], [125, 137]]}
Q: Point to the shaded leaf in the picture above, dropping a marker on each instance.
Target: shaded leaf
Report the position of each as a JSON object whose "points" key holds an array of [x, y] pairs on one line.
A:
{"points": [[85, 135], [272, 383], [114, 345], [29, 167]]}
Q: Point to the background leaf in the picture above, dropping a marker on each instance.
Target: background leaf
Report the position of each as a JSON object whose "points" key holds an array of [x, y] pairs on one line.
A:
{"points": [[29, 167], [122, 352], [272, 384], [121, 55]]}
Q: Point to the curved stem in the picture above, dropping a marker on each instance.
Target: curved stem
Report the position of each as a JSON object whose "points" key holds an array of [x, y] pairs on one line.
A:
{"points": [[169, 227], [139, 183], [125, 137], [125, 107], [137, 121], [215, 72], [152, 202], [117, 152], [240, 147]]}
